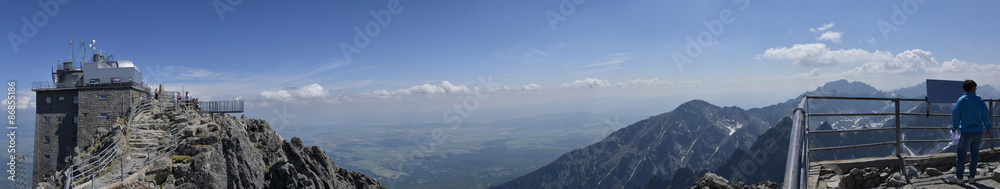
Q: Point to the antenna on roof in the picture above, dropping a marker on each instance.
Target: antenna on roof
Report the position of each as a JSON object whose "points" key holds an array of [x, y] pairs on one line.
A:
{"points": [[83, 55], [71, 52]]}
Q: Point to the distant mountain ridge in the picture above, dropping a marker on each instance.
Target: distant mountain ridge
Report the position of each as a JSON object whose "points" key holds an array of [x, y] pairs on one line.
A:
{"points": [[677, 147], [696, 135]]}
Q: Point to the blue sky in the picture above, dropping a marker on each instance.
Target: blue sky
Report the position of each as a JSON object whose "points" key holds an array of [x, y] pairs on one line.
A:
{"points": [[432, 55]]}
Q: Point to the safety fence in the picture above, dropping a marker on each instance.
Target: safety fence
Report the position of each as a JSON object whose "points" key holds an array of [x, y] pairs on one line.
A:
{"points": [[797, 166]]}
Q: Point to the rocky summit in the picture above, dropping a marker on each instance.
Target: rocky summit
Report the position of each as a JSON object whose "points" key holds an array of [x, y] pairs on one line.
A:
{"points": [[170, 146]]}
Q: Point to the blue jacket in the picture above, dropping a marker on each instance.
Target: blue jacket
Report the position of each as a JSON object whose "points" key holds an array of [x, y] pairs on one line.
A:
{"points": [[970, 114]]}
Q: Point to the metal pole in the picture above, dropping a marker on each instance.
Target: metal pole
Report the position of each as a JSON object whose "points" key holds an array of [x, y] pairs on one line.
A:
{"points": [[804, 175], [69, 180], [899, 152]]}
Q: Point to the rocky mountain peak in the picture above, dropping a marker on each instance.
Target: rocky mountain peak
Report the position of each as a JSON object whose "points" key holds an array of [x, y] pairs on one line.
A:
{"points": [[845, 88], [169, 146]]}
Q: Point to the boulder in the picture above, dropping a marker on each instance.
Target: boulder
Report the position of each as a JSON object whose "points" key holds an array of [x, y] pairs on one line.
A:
{"points": [[932, 172], [162, 168], [713, 181], [911, 172], [996, 175], [896, 180]]}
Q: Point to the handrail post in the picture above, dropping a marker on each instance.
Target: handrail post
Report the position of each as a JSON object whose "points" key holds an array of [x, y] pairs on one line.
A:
{"points": [[69, 180], [899, 152], [804, 175], [990, 136], [795, 177]]}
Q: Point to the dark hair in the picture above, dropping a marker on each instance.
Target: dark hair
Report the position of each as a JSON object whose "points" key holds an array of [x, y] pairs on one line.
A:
{"points": [[968, 85]]}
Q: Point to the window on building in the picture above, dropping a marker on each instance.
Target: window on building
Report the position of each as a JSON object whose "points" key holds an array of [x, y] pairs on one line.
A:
{"points": [[76, 99], [104, 115], [48, 100], [47, 119], [58, 119], [47, 139], [61, 98], [47, 156], [76, 119], [104, 97]]}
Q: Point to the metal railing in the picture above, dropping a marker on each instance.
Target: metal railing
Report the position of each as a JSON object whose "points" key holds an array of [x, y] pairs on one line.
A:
{"points": [[797, 166], [99, 170], [228, 106], [45, 85]]}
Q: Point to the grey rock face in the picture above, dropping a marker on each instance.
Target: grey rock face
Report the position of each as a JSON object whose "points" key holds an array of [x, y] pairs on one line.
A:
{"points": [[710, 180], [226, 152]]}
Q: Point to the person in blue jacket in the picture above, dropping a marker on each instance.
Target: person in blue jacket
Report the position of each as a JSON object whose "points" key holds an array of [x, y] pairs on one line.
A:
{"points": [[971, 117]]}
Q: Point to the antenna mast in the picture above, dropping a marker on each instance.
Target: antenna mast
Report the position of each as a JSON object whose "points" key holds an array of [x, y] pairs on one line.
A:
{"points": [[83, 55], [72, 53]]}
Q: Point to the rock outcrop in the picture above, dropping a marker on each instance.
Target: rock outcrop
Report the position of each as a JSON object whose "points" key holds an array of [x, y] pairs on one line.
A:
{"points": [[713, 181], [247, 153], [169, 146]]}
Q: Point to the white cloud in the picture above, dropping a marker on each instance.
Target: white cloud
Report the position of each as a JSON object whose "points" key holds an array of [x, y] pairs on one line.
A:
{"points": [[915, 60], [690, 82], [827, 34], [531, 87], [23, 102], [448, 87], [445, 87], [822, 28], [422, 89], [587, 83], [817, 54], [595, 83], [185, 73], [830, 36], [634, 82], [311, 91], [955, 65]]}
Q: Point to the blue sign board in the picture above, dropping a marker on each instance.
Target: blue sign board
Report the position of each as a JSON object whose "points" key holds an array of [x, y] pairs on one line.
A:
{"points": [[944, 91]]}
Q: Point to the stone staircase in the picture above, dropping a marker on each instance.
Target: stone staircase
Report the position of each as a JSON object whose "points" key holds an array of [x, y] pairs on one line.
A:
{"points": [[150, 134]]}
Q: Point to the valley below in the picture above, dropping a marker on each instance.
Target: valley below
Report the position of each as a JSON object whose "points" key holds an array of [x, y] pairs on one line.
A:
{"points": [[472, 155]]}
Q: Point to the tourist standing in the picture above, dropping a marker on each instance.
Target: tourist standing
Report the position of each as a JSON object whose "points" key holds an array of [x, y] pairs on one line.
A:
{"points": [[971, 117]]}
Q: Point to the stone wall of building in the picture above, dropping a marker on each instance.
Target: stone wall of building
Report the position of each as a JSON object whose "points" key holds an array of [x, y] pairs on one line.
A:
{"points": [[55, 130], [70, 119], [99, 108]]}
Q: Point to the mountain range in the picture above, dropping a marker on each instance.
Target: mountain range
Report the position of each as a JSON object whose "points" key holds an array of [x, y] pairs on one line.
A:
{"points": [[674, 149]]}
